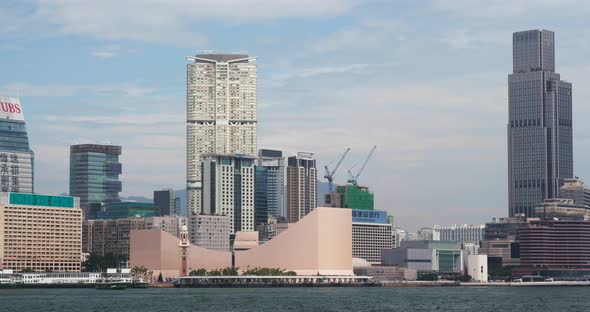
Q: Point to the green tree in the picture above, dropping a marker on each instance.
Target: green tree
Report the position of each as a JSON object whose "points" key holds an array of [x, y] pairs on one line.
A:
{"points": [[427, 276], [199, 272], [27, 270]]}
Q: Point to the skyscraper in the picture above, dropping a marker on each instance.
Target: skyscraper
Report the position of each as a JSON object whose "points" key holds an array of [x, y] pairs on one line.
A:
{"points": [[16, 157], [221, 102], [94, 174], [301, 185], [165, 202], [228, 189], [540, 123], [270, 186]]}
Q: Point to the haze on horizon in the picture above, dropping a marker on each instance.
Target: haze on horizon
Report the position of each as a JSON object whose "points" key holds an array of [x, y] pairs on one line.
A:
{"points": [[426, 82]]}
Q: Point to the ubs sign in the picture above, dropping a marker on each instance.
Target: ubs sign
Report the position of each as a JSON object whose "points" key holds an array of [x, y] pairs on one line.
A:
{"points": [[10, 108]]}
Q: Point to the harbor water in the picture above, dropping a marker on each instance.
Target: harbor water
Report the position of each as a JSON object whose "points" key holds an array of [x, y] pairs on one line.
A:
{"points": [[300, 299]]}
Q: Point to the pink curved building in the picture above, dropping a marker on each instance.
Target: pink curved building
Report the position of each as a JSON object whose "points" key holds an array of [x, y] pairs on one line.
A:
{"points": [[320, 243]]}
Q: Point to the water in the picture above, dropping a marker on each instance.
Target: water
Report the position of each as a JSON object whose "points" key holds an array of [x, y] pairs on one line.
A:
{"points": [[299, 299]]}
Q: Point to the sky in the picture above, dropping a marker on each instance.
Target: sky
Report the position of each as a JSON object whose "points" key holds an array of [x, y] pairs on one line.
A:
{"points": [[425, 81]]}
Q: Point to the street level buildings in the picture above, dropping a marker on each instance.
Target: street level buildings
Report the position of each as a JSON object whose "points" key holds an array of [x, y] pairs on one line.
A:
{"points": [[102, 237], [40, 232], [557, 248], [437, 256], [16, 156], [209, 231], [94, 174], [540, 151], [301, 186], [221, 102], [228, 189]]}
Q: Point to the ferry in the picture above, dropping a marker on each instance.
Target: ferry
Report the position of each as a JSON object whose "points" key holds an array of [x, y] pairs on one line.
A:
{"points": [[112, 284]]}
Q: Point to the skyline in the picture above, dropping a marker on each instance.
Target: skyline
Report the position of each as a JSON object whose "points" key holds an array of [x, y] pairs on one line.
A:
{"points": [[419, 105]]}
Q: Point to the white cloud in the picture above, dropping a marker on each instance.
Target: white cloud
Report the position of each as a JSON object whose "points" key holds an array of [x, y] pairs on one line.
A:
{"points": [[503, 8], [469, 39], [173, 20], [110, 51], [366, 35]]}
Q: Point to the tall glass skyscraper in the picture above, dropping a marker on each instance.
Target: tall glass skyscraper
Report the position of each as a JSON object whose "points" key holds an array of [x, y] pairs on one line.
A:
{"points": [[221, 100], [540, 154], [270, 186], [94, 174], [16, 157]]}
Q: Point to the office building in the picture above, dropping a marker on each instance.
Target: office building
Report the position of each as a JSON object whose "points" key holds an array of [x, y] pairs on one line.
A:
{"points": [[562, 209], [102, 237], [16, 157], [540, 152], [94, 174], [371, 233], [270, 186], [556, 248], [301, 186], [40, 232], [425, 233], [228, 189], [465, 233], [166, 202], [576, 190], [221, 101], [437, 256], [209, 231]]}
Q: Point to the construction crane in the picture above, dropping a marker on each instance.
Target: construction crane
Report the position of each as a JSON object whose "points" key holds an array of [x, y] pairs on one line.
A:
{"points": [[330, 174], [353, 178]]}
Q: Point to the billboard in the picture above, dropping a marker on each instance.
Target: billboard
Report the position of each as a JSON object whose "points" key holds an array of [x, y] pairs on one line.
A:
{"points": [[10, 108], [369, 216]]}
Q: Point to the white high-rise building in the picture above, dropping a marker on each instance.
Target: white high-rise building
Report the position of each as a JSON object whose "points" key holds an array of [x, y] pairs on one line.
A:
{"points": [[221, 101], [228, 189]]}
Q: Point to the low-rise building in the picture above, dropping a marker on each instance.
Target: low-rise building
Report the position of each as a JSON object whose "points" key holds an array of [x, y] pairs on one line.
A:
{"points": [[477, 268], [465, 233], [433, 256], [111, 236], [210, 231], [40, 232]]}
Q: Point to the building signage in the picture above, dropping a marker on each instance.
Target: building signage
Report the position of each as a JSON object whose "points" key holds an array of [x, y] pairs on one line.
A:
{"points": [[16, 172], [369, 216], [10, 108]]}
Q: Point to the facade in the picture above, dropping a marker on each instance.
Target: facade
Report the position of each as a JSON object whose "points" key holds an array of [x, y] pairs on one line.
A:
{"points": [[556, 247], [302, 182], [221, 102], [465, 233], [501, 243], [562, 209], [228, 189], [270, 186], [16, 156], [94, 174], [371, 233], [165, 202], [576, 190], [209, 231], [319, 244], [40, 232], [123, 210], [381, 273], [111, 236], [477, 268], [437, 256], [540, 152]]}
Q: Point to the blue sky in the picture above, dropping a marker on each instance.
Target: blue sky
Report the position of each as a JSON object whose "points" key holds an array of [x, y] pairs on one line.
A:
{"points": [[425, 81]]}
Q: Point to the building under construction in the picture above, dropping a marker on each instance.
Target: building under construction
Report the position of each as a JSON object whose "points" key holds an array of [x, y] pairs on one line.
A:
{"points": [[351, 196]]}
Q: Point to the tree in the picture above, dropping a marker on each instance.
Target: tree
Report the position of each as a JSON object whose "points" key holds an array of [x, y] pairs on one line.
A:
{"points": [[27, 270], [199, 272], [427, 276], [98, 263]]}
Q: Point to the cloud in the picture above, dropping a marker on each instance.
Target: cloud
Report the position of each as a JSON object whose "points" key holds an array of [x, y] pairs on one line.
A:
{"points": [[59, 89], [509, 8], [110, 51], [469, 39], [145, 119], [173, 20], [367, 34]]}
